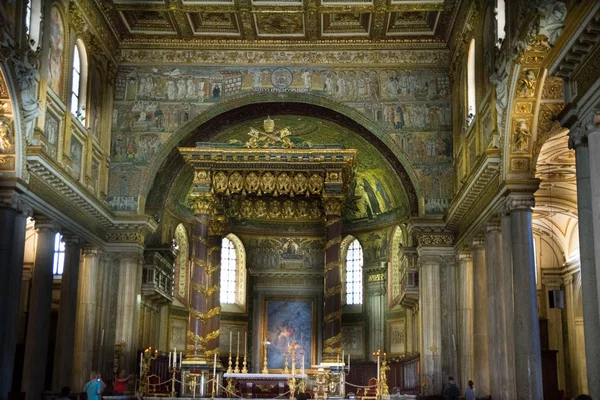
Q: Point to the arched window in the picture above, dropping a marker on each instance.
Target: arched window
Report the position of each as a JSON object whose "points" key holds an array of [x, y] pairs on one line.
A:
{"points": [[78, 81], [33, 21], [471, 83], [354, 268], [28, 13], [500, 22], [233, 274], [59, 255]]}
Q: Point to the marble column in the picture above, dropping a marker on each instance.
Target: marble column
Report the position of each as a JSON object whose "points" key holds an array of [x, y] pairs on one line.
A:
{"points": [[495, 321], [582, 365], [40, 306], [510, 386], [431, 320], [528, 356], [480, 323], [586, 142], [465, 317], [199, 311], [67, 312], [215, 239], [12, 243], [128, 306], [87, 312], [332, 312]]}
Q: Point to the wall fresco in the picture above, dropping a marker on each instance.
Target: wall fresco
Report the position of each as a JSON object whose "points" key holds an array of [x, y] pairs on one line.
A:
{"points": [[411, 105], [56, 53]]}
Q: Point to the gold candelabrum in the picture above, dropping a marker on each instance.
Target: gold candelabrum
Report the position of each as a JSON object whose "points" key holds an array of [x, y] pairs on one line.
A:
{"points": [[146, 359], [174, 370], [265, 370], [382, 387], [292, 382]]}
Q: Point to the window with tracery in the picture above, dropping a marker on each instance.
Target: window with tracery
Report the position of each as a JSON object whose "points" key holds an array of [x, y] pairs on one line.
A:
{"points": [[228, 272], [58, 264], [354, 268], [233, 274]]}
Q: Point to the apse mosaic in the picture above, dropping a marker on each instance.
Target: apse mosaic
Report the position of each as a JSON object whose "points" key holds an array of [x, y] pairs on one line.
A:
{"points": [[411, 105]]}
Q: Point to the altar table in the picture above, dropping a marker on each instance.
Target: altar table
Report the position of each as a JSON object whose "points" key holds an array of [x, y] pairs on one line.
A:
{"points": [[262, 385]]}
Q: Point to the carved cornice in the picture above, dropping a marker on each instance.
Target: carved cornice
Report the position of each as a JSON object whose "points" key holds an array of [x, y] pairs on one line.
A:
{"points": [[132, 231], [470, 193], [69, 190]]}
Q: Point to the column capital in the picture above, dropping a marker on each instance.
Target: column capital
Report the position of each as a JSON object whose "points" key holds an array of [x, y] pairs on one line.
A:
{"points": [[478, 241], [216, 225], [520, 202], [568, 279], [12, 199], [587, 125], [465, 254], [494, 225], [45, 224], [332, 205], [203, 205], [90, 250], [552, 282], [72, 239]]}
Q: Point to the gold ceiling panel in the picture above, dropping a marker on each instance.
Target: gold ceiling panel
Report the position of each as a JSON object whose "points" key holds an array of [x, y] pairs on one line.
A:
{"points": [[279, 25], [256, 21], [346, 24], [214, 23]]}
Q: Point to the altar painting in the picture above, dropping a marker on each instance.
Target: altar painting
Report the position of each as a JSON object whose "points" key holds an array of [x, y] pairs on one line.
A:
{"points": [[286, 321]]}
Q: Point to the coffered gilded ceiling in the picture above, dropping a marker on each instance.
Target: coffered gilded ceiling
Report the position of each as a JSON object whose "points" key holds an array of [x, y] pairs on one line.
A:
{"points": [[139, 21]]}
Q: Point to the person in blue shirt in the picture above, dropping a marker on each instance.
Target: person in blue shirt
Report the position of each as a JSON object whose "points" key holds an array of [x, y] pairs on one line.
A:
{"points": [[93, 388]]}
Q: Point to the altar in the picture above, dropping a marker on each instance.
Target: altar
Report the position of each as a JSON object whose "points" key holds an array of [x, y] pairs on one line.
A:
{"points": [[263, 385]]}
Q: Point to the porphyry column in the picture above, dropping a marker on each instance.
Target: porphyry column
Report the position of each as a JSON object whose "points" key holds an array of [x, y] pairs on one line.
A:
{"points": [[199, 310], [332, 313], [213, 290]]}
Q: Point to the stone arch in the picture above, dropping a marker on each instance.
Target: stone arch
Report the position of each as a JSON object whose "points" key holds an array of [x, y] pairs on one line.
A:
{"points": [[205, 125]]}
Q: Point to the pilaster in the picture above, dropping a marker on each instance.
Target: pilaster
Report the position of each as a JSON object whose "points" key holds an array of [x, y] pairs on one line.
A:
{"points": [[465, 316], [480, 324]]}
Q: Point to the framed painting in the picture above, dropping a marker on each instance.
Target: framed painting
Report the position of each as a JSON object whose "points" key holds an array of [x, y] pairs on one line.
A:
{"points": [[353, 340], [287, 320], [396, 333]]}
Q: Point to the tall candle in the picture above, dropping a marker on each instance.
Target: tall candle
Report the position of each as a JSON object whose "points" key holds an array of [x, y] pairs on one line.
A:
{"points": [[302, 363], [180, 358], [348, 362], [343, 356], [245, 342], [230, 340], [377, 367], [215, 367], [169, 358], [238, 343], [141, 358], [175, 359]]}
